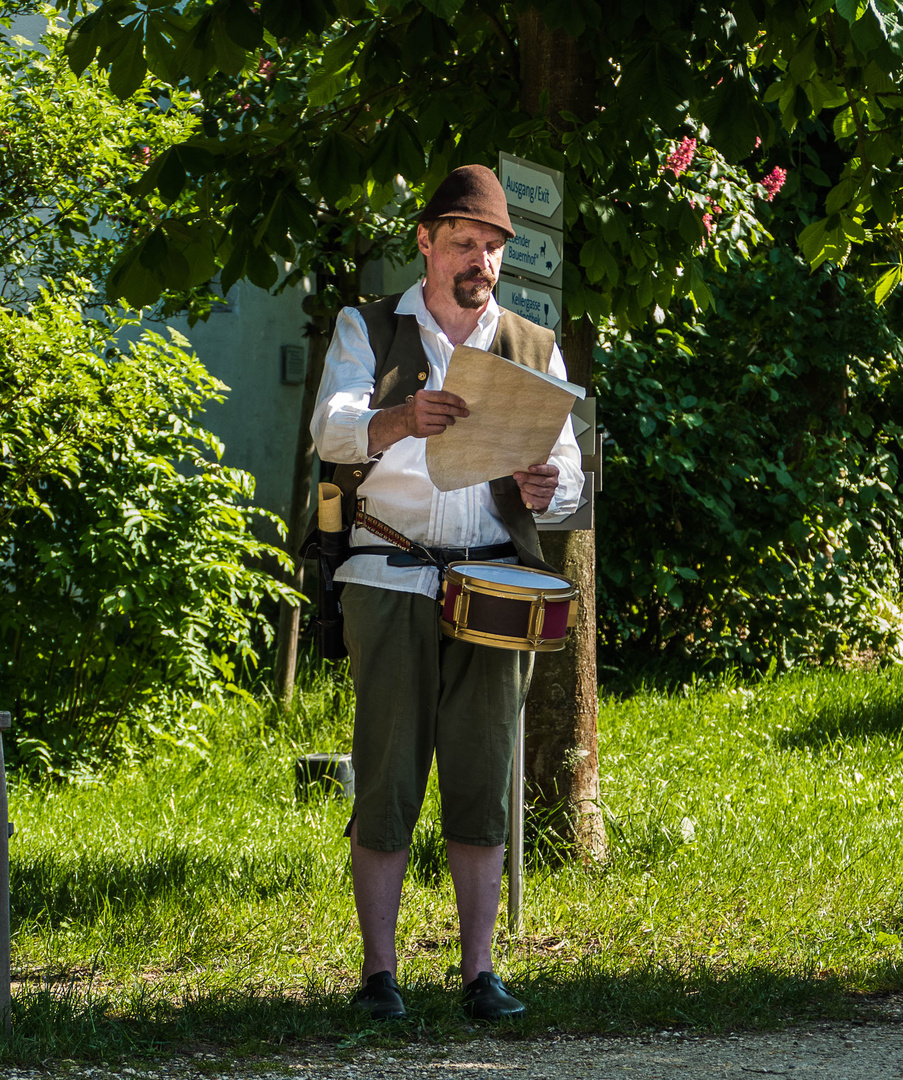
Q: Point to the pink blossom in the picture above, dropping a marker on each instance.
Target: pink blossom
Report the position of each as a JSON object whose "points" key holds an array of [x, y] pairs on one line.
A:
{"points": [[679, 160], [708, 221], [774, 181], [142, 154], [266, 69], [242, 100], [758, 141]]}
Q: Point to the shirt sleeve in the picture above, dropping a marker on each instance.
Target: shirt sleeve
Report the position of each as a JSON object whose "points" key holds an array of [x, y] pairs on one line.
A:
{"points": [[342, 413], [566, 456]]}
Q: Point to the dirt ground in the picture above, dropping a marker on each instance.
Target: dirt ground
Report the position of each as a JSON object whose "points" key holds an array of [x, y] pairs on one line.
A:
{"points": [[869, 1049]]}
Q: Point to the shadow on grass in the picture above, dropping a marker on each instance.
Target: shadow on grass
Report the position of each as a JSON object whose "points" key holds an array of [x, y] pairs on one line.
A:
{"points": [[58, 890], [847, 722], [588, 998]]}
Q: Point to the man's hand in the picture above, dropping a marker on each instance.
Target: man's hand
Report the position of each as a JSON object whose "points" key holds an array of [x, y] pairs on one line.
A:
{"points": [[432, 411], [537, 486], [428, 412]]}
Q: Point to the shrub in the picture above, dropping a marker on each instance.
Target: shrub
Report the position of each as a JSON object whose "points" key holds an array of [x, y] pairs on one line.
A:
{"points": [[130, 572], [750, 507]]}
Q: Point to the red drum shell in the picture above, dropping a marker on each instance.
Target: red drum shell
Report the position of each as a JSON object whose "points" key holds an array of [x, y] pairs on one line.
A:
{"points": [[507, 606]]}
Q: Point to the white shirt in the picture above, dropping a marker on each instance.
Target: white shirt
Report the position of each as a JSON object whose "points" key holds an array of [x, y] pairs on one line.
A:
{"points": [[398, 489]]}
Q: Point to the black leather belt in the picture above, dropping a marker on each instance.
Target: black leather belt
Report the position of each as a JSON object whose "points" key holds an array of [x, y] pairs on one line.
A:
{"points": [[421, 555]]}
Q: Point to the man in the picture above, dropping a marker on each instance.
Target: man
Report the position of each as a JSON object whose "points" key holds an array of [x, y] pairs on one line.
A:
{"points": [[417, 692]]}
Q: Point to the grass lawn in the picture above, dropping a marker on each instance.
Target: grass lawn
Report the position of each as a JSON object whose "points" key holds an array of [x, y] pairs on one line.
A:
{"points": [[755, 877]]}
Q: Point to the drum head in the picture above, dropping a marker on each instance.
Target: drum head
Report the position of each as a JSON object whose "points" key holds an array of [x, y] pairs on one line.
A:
{"points": [[522, 577]]}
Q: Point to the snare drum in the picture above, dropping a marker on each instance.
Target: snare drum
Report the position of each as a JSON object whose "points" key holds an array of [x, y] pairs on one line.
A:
{"points": [[507, 606]]}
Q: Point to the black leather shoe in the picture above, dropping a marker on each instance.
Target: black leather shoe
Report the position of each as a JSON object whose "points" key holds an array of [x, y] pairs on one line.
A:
{"points": [[487, 998], [381, 997]]}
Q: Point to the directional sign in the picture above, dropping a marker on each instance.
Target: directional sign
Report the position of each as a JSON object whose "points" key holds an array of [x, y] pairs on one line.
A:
{"points": [[583, 417], [582, 518], [535, 253], [539, 305], [532, 190]]}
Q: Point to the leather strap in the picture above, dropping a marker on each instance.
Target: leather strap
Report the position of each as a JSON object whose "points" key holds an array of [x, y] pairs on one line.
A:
{"points": [[409, 553]]}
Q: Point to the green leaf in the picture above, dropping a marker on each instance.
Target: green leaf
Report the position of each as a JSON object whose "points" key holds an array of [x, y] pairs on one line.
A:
{"points": [[610, 265], [262, 270], [324, 85], [845, 124], [776, 91], [336, 166], [235, 266], [159, 51], [243, 25], [129, 280], [292, 19], [812, 239], [839, 195], [196, 158], [656, 80], [819, 178], [148, 180], [593, 255], [852, 10], [171, 177], [128, 69], [733, 117], [868, 32], [398, 150], [82, 44], [689, 223], [887, 283], [152, 250], [697, 289], [799, 533], [196, 244], [612, 224], [881, 200], [229, 56], [445, 9], [825, 241], [676, 596]]}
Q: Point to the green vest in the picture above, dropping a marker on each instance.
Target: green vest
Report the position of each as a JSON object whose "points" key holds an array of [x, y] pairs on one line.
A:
{"points": [[402, 369]]}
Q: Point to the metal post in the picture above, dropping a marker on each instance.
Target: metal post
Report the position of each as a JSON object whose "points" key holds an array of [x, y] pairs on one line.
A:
{"points": [[516, 834], [5, 833]]}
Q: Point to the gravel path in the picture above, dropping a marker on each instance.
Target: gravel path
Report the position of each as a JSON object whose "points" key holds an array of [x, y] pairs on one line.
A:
{"points": [[840, 1051], [858, 1050]]}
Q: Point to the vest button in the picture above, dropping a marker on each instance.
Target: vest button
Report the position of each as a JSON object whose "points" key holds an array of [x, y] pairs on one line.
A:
{"points": [[421, 375], [357, 474]]}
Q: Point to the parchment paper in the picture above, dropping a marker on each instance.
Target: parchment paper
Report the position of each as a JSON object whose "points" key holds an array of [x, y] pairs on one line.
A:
{"points": [[516, 416]]}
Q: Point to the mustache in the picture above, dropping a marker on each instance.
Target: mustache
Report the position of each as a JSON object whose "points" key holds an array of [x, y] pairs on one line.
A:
{"points": [[476, 275]]}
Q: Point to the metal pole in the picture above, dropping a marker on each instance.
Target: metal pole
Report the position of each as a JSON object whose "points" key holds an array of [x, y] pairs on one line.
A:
{"points": [[516, 834], [5, 830]]}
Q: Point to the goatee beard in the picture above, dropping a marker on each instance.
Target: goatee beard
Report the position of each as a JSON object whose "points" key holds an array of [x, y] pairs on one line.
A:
{"points": [[475, 297]]}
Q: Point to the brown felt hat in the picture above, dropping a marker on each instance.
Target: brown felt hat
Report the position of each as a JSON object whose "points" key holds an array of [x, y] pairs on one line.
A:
{"points": [[470, 192]]}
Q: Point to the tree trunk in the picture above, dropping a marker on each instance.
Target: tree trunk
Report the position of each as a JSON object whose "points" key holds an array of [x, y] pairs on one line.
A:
{"points": [[562, 761], [347, 282], [299, 513]]}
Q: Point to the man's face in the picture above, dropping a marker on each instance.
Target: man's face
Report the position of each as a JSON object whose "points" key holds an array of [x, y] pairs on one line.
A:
{"points": [[463, 262]]}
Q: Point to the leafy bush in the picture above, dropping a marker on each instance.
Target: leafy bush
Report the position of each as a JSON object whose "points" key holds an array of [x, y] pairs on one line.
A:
{"points": [[751, 507], [70, 152], [128, 561]]}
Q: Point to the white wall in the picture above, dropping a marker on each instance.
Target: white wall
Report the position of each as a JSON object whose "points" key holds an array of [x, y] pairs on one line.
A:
{"points": [[258, 422]]}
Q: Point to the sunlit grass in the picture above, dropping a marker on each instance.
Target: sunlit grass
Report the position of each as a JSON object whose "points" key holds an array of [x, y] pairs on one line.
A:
{"points": [[755, 876]]}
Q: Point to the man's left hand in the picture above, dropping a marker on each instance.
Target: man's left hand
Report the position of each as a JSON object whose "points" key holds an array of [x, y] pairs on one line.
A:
{"points": [[537, 486]]}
